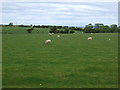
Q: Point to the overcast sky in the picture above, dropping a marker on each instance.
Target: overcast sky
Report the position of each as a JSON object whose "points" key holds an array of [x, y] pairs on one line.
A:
{"points": [[60, 13]]}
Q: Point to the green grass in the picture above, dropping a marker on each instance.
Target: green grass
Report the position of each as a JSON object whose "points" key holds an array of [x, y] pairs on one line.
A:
{"points": [[70, 61]]}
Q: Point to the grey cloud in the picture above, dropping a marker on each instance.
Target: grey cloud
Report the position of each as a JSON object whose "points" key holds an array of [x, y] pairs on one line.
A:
{"points": [[59, 13]]}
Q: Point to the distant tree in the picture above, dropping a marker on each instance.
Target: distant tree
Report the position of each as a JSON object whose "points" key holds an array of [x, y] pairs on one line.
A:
{"points": [[107, 29], [72, 28], [22, 25], [102, 29], [71, 31], [59, 27], [61, 31], [90, 25], [64, 27], [80, 29], [66, 30], [10, 24], [57, 31], [53, 29], [98, 25], [113, 28], [88, 28], [30, 30], [37, 26]]}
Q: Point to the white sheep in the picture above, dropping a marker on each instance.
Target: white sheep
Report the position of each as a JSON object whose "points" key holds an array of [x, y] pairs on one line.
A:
{"points": [[89, 38], [50, 34], [109, 39], [58, 36], [47, 41]]}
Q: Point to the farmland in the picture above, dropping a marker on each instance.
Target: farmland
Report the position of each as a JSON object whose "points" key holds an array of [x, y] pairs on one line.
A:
{"points": [[70, 61]]}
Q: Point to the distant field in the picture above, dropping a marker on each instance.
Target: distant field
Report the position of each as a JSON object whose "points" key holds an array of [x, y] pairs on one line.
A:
{"points": [[23, 30], [70, 61]]}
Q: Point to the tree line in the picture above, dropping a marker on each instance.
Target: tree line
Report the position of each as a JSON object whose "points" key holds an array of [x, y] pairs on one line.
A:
{"points": [[96, 28], [101, 28]]}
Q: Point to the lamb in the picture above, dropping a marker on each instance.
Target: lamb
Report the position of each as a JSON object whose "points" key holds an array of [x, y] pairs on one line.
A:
{"points": [[58, 36], [47, 41], [50, 34], [89, 38]]}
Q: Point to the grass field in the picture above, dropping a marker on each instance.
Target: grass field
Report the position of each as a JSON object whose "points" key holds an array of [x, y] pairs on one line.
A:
{"points": [[70, 61]]}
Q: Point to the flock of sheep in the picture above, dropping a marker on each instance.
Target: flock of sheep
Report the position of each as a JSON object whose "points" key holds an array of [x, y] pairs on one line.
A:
{"points": [[49, 41]]}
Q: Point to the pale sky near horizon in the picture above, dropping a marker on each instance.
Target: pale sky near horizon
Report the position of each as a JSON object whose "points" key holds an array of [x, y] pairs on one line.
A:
{"points": [[60, 13]]}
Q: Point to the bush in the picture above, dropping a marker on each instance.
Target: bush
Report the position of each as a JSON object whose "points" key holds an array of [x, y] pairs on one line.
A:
{"points": [[72, 31], [30, 30], [66, 30]]}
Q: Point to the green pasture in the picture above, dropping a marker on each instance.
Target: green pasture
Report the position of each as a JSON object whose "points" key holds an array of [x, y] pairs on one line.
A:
{"points": [[70, 61]]}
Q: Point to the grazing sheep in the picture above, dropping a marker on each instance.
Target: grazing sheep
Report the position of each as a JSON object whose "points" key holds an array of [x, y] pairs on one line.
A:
{"points": [[109, 39], [91, 33], [50, 34], [40, 84], [47, 41], [58, 36], [89, 38]]}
